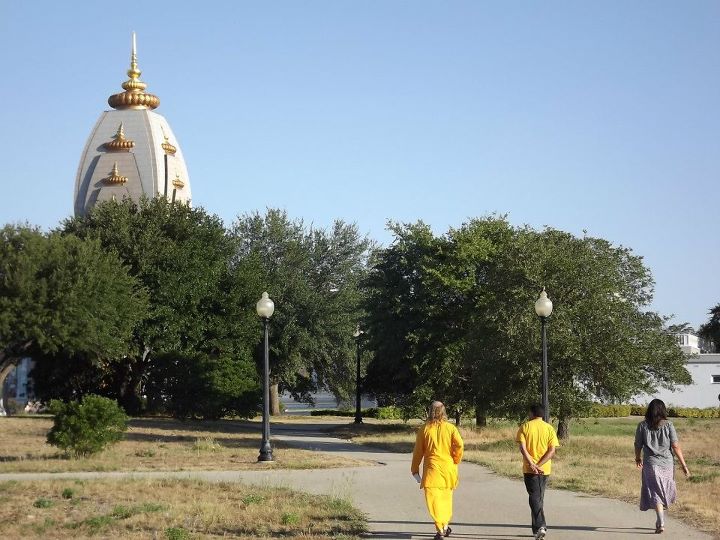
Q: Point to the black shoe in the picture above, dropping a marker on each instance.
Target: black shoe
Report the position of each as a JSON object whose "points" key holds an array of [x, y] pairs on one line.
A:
{"points": [[438, 536], [448, 532]]}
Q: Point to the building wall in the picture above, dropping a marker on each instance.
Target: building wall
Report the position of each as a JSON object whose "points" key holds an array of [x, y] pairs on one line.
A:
{"points": [[705, 390]]}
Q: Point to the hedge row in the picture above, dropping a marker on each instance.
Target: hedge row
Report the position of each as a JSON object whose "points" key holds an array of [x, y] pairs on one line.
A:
{"points": [[598, 410], [693, 412], [381, 413]]}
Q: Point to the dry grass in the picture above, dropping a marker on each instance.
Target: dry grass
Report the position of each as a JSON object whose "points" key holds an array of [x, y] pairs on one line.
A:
{"points": [[170, 509], [154, 444], [598, 459]]}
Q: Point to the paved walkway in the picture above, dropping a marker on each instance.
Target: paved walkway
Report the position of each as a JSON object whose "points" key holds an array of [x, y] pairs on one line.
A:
{"points": [[486, 506]]}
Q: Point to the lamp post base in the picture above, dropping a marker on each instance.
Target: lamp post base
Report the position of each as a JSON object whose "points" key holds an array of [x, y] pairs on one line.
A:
{"points": [[265, 455], [358, 420]]}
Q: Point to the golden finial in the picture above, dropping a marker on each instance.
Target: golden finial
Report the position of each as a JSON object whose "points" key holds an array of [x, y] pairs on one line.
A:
{"points": [[177, 182], [115, 176], [119, 141], [134, 96], [169, 148]]}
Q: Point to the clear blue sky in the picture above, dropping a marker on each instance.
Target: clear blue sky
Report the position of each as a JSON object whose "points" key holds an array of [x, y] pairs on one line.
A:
{"points": [[602, 116]]}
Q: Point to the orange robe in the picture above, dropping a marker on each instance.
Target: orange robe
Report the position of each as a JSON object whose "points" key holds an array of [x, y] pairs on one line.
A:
{"points": [[439, 446]]}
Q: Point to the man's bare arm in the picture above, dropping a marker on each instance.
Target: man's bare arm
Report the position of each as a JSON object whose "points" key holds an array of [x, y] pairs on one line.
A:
{"points": [[528, 459], [546, 457]]}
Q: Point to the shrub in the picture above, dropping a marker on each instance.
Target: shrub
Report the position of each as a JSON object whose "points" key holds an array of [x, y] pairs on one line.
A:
{"points": [[68, 493], [381, 413], [598, 410], [86, 427], [637, 410], [390, 413], [693, 412]]}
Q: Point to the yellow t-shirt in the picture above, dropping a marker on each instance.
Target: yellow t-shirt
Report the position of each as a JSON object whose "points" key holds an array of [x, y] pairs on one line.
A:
{"points": [[538, 436]]}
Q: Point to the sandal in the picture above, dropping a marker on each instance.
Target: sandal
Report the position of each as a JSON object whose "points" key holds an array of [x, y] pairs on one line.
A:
{"points": [[659, 530], [448, 532]]}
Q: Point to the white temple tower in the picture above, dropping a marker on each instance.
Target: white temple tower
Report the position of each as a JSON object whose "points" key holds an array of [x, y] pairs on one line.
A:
{"points": [[131, 151]]}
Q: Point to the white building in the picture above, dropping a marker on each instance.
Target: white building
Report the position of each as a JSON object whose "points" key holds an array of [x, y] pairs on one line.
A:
{"points": [[132, 151], [705, 388]]}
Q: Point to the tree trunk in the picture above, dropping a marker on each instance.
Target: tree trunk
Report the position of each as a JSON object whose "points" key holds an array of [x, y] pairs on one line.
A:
{"points": [[6, 366], [130, 395], [458, 417], [480, 417], [274, 399], [563, 428]]}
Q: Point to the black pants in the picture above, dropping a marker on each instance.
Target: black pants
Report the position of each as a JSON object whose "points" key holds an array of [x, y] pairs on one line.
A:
{"points": [[535, 485]]}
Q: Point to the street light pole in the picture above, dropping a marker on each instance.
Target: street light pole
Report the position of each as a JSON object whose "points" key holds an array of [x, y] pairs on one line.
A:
{"points": [[265, 309], [358, 393], [545, 396], [543, 308]]}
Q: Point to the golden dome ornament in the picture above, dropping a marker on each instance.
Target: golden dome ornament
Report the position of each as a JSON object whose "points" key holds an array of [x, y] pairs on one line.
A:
{"points": [[168, 148], [119, 141], [177, 182], [134, 96], [115, 176]]}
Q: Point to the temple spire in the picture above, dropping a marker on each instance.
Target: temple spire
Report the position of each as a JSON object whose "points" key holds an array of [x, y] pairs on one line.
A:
{"points": [[134, 96]]}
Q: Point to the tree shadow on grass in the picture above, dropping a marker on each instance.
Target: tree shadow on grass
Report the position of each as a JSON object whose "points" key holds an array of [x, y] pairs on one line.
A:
{"points": [[165, 438], [39, 457]]}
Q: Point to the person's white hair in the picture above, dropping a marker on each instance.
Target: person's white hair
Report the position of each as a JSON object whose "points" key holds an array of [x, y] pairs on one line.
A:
{"points": [[437, 412]]}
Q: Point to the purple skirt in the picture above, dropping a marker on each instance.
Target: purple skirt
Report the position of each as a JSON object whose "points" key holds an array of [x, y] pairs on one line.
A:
{"points": [[658, 487]]}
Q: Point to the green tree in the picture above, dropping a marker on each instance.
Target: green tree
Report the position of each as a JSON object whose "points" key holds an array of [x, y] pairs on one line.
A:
{"points": [[63, 296], [405, 322], [200, 303], [313, 277], [461, 310], [711, 329], [605, 343]]}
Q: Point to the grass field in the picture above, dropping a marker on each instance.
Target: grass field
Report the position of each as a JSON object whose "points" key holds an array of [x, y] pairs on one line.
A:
{"points": [[598, 459], [170, 510], [153, 444]]}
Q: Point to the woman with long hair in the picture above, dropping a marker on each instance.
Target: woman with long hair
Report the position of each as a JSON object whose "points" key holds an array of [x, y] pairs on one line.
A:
{"points": [[655, 442], [440, 448]]}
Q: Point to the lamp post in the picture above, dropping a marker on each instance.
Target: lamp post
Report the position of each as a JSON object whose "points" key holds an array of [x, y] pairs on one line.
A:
{"points": [[265, 308], [543, 308], [358, 397]]}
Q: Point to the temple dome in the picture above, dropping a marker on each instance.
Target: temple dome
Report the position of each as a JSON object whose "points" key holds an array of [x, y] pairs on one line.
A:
{"points": [[131, 152]]}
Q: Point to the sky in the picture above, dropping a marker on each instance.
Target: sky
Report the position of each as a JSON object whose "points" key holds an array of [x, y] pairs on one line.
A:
{"points": [[596, 116]]}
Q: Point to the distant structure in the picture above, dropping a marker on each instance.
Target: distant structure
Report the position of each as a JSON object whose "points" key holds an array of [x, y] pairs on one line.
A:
{"points": [[704, 367], [131, 151]]}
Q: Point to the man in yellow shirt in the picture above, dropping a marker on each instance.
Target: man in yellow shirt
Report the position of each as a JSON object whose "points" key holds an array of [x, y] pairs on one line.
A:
{"points": [[537, 441]]}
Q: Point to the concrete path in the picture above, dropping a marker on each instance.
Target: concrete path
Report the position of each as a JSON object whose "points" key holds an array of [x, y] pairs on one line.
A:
{"points": [[486, 506]]}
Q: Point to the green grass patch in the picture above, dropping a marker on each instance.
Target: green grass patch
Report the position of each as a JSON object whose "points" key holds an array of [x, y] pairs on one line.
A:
{"points": [[252, 498], [43, 503], [290, 518], [176, 533]]}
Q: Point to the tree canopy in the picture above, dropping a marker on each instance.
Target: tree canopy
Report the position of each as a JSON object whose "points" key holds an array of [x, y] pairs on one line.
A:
{"points": [[313, 276], [711, 329], [452, 317], [199, 311], [62, 296]]}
